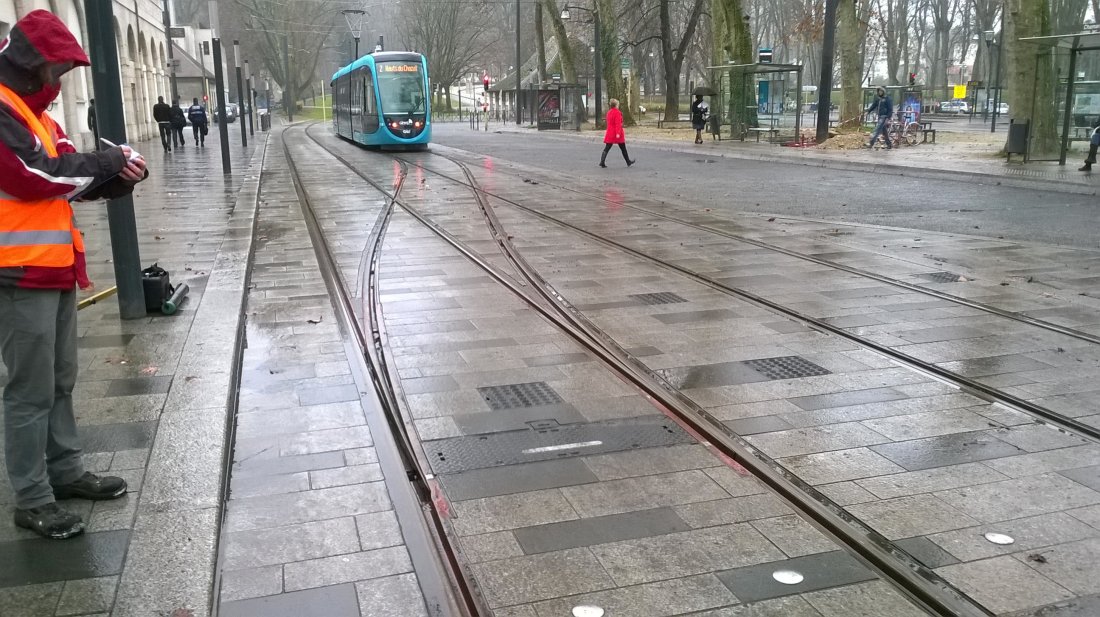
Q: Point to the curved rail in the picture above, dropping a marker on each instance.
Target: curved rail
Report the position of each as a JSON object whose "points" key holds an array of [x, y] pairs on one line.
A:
{"points": [[918, 582]]}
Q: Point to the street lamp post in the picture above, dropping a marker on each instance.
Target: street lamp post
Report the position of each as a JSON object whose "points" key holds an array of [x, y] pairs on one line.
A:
{"points": [[997, 91], [988, 37], [240, 91], [354, 17], [597, 60]]}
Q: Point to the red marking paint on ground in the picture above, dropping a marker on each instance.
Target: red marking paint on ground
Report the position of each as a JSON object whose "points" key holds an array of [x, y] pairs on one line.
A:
{"points": [[615, 197], [439, 501]]}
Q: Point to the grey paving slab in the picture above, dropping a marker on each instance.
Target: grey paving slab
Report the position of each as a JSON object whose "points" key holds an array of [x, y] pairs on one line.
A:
{"points": [[87, 596], [598, 530], [871, 599], [30, 600], [929, 480], [516, 419], [1010, 499], [729, 511], [845, 399], [1071, 565], [1031, 533], [829, 467], [291, 508], [532, 578], [659, 599], [1088, 476], [820, 571], [139, 385], [761, 424], [650, 461], [946, 450], [1003, 584], [251, 583], [925, 551], [711, 375], [688, 553], [1084, 606], [392, 596], [793, 535], [1048, 461], [816, 439], [115, 437], [905, 517], [688, 317], [36, 561], [347, 568], [489, 514], [642, 493], [273, 465], [338, 601], [930, 424], [516, 479]]}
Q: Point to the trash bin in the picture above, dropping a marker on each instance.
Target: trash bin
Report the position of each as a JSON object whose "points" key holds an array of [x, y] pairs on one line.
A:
{"points": [[265, 121], [1017, 139]]}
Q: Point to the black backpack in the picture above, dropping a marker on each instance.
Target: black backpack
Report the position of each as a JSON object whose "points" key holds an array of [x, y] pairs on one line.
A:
{"points": [[157, 288]]}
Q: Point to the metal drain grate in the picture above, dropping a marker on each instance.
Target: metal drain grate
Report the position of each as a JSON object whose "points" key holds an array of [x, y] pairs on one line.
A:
{"points": [[786, 367], [663, 297], [527, 446], [520, 395], [943, 277]]}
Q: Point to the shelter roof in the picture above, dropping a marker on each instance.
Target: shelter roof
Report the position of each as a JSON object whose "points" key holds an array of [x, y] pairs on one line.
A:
{"points": [[1087, 41], [759, 67]]}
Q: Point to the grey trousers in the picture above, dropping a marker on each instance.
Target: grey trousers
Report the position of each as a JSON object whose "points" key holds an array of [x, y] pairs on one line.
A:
{"points": [[38, 343]]}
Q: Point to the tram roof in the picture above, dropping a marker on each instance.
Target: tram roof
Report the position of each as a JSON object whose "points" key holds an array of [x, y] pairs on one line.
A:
{"points": [[379, 56]]}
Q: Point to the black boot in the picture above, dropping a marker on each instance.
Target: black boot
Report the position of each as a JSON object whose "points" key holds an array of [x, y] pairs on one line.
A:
{"points": [[603, 159], [1090, 159], [626, 157]]}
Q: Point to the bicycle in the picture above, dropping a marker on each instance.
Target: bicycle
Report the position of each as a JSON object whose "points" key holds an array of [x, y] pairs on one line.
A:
{"points": [[899, 130]]}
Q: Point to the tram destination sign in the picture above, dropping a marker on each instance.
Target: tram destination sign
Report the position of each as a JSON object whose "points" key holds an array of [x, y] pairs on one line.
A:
{"points": [[400, 68]]}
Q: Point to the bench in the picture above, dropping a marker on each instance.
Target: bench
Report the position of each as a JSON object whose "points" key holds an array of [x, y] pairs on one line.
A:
{"points": [[771, 131], [926, 128], [673, 124]]}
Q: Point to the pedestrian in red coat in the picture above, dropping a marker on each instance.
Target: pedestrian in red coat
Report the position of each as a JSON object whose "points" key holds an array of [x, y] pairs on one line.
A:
{"points": [[614, 134]]}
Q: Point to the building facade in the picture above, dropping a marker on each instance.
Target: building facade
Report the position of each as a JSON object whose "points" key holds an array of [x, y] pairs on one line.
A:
{"points": [[142, 56]]}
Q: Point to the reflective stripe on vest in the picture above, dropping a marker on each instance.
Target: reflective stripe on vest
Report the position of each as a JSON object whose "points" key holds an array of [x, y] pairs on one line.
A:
{"points": [[36, 232]]}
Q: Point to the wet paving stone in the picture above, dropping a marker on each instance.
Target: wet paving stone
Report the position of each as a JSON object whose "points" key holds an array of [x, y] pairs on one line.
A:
{"points": [[690, 317], [516, 479], [338, 601], [104, 340], [599, 530], [845, 399], [1084, 606], [139, 385], [540, 417], [90, 555], [761, 424], [821, 571], [1088, 476], [925, 551], [117, 437], [946, 450], [330, 394], [711, 375]]}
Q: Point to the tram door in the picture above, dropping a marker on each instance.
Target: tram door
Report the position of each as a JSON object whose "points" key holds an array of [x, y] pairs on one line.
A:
{"points": [[370, 109]]}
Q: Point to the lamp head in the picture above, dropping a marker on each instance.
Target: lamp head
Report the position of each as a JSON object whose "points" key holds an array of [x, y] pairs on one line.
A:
{"points": [[565, 14]]}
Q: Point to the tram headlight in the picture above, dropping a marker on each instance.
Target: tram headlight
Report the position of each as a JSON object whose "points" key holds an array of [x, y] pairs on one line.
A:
{"points": [[417, 124]]}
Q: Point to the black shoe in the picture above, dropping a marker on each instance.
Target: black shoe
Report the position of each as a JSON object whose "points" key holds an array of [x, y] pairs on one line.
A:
{"points": [[91, 486], [1085, 167], [50, 521], [602, 165], [629, 163]]}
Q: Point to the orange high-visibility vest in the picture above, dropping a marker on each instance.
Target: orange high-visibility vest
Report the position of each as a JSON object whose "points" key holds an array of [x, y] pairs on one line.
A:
{"points": [[40, 232]]}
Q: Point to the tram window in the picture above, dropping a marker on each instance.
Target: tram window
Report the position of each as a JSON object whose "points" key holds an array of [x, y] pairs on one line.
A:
{"points": [[401, 88]]}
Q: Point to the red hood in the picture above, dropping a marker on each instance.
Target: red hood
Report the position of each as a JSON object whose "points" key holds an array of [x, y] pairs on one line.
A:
{"points": [[41, 38]]}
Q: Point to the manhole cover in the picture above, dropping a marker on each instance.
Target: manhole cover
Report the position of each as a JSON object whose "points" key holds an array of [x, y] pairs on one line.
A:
{"points": [[786, 367], [943, 277], [519, 395], [458, 454], [663, 297]]}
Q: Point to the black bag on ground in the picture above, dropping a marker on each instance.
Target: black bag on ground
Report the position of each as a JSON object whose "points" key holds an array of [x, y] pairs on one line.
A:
{"points": [[157, 288]]}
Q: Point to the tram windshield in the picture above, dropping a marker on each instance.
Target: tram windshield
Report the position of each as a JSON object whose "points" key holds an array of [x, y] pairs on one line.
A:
{"points": [[401, 87]]}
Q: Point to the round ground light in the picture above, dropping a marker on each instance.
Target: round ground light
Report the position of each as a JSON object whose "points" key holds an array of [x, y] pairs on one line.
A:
{"points": [[999, 538], [788, 577], [587, 611]]}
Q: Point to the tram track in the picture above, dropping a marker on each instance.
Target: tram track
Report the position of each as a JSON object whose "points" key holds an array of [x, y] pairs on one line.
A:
{"points": [[919, 583], [972, 386], [892, 281]]}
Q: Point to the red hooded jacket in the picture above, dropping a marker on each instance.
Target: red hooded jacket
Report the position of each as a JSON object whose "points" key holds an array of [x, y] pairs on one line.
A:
{"points": [[27, 171]]}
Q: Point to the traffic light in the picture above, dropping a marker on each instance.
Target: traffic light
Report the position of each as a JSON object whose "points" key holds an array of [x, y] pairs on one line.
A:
{"points": [[485, 80], [912, 79], [205, 98]]}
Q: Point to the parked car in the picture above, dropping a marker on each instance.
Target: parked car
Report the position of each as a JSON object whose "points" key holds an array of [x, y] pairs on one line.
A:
{"points": [[964, 106], [950, 107], [231, 113]]}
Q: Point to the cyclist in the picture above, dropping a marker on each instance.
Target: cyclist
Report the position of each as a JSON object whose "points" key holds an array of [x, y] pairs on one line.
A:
{"points": [[885, 108]]}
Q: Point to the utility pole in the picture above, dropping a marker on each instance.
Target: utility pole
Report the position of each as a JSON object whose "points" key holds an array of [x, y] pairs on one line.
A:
{"points": [[219, 87], [240, 91], [251, 99], [825, 84], [597, 63], [287, 96], [107, 84], [519, 70], [171, 55]]}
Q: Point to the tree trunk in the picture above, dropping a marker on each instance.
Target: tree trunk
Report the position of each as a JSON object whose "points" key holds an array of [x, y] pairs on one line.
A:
{"points": [[612, 58], [733, 43], [672, 59], [1025, 76], [849, 38], [565, 54], [540, 44]]}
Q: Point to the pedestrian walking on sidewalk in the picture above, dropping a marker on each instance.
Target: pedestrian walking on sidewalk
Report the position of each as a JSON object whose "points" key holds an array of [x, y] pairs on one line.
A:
{"points": [[92, 126], [885, 108], [41, 263], [162, 113], [197, 115], [699, 112], [179, 121], [614, 134], [1094, 143]]}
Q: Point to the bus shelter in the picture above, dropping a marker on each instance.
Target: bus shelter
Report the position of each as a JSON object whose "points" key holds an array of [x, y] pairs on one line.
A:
{"points": [[758, 98], [1067, 85]]}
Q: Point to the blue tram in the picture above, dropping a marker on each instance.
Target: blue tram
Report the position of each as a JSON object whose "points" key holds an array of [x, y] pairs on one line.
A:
{"points": [[381, 100]]}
